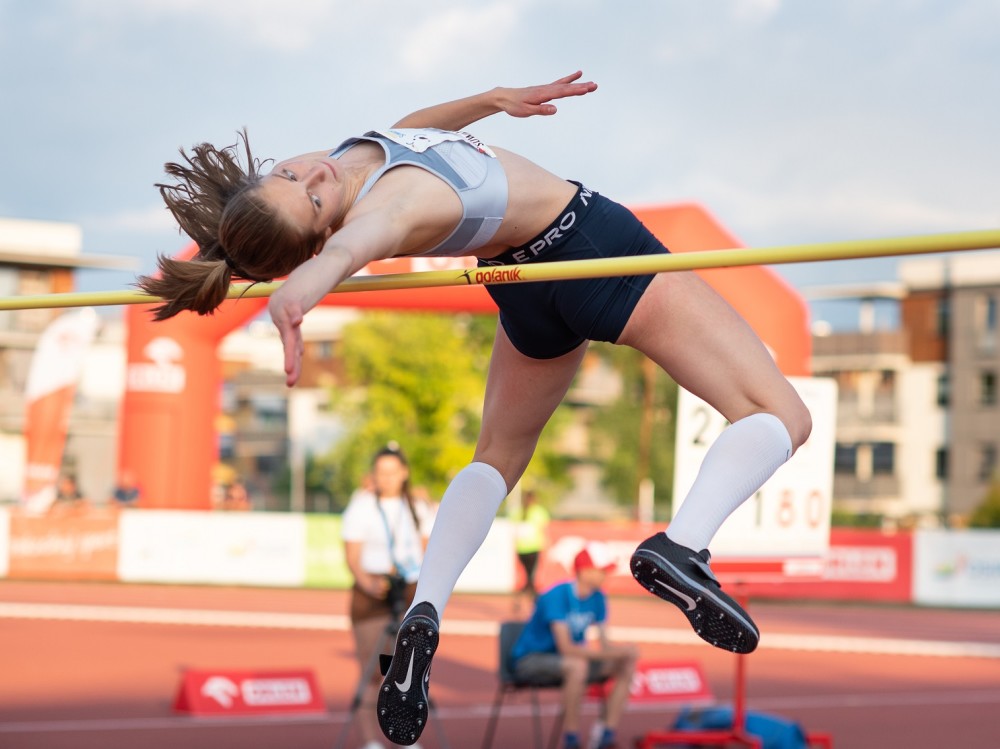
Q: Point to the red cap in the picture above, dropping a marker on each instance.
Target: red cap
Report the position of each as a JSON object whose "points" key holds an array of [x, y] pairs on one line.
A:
{"points": [[597, 555]]}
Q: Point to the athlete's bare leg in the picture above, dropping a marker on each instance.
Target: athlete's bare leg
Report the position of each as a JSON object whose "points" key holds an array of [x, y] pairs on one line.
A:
{"points": [[521, 395], [683, 325], [690, 331]]}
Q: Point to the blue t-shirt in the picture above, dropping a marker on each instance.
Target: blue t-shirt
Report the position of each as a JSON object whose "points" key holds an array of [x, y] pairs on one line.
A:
{"points": [[560, 604]]}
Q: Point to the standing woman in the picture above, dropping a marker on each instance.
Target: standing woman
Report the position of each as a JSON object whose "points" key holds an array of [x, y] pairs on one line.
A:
{"points": [[384, 531], [415, 189], [531, 523]]}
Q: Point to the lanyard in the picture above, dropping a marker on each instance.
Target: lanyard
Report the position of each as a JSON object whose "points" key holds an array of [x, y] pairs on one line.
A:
{"points": [[388, 532]]}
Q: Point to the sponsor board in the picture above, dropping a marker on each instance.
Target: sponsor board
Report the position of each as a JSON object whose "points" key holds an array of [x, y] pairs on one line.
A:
{"points": [[663, 681], [4, 541], [492, 569], [69, 547], [326, 566], [860, 564], [957, 568], [245, 548], [224, 692]]}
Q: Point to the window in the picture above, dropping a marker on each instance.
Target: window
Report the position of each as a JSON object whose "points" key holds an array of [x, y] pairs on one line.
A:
{"points": [[941, 463], [227, 446], [883, 458], [987, 388], [943, 316], [943, 389], [886, 381], [847, 382], [987, 461], [986, 322], [845, 459], [323, 350]]}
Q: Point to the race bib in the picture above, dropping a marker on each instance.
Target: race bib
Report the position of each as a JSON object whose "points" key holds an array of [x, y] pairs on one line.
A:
{"points": [[419, 140]]}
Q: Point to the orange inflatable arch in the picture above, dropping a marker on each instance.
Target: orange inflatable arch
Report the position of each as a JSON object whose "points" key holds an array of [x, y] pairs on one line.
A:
{"points": [[167, 434]]}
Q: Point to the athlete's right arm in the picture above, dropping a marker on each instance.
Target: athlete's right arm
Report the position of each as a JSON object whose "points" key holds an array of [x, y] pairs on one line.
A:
{"points": [[371, 237], [517, 102]]}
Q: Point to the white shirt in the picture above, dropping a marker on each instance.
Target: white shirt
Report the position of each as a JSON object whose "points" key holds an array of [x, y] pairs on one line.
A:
{"points": [[364, 523]]}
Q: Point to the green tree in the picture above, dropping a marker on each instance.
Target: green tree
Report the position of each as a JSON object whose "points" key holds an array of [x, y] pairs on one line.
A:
{"points": [[633, 437], [418, 379], [987, 514]]}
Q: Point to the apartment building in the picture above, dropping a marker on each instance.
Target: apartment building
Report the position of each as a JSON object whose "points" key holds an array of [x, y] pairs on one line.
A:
{"points": [[917, 427]]}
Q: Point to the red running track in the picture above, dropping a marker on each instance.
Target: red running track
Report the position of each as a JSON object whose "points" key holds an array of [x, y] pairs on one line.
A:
{"points": [[76, 672]]}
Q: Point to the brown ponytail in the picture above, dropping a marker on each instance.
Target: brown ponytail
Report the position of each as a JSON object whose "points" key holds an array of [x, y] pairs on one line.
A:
{"points": [[216, 203]]}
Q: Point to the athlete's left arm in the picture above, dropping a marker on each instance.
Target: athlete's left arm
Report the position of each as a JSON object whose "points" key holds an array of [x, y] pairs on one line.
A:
{"points": [[517, 102]]}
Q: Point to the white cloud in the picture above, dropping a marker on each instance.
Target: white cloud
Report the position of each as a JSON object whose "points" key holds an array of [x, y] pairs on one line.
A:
{"points": [[285, 26], [455, 35], [756, 10]]}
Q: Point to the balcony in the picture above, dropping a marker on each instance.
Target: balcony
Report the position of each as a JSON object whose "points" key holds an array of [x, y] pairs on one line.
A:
{"points": [[878, 487], [882, 410], [853, 344]]}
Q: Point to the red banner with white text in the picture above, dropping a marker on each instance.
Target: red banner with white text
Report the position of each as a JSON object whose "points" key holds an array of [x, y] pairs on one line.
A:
{"points": [[861, 564]]}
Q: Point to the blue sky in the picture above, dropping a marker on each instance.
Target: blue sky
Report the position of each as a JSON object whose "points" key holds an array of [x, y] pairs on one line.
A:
{"points": [[791, 121]]}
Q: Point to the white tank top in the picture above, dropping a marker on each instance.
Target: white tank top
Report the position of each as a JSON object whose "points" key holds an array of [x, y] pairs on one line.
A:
{"points": [[462, 161]]}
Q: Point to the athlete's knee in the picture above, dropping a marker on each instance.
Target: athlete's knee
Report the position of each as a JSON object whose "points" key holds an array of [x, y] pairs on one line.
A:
{"points": [[509, 458], [798, 422]]}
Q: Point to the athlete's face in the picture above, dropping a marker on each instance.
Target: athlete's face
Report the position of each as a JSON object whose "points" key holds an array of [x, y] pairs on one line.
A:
{"points": [[307, 192]]}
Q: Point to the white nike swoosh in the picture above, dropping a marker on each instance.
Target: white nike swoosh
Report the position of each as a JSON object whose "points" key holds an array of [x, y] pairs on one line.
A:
{"points": [[683, 596], [404, 686]]}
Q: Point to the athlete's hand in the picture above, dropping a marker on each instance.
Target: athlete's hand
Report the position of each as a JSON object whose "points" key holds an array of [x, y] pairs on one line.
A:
{"points": [[287, 315], [534, 100]]}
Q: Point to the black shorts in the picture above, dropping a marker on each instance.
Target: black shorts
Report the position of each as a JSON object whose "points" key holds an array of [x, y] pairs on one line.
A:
{"points": [[546, 319]]}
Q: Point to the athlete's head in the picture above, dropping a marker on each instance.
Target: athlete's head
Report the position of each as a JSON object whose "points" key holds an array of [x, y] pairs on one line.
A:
{"points": [[239, 232]]}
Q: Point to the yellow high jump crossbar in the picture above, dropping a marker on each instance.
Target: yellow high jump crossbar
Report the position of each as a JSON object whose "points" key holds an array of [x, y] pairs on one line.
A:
{"points": [[571, 269]]}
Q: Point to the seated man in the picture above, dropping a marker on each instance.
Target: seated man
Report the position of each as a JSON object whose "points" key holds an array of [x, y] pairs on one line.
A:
{"points": [[553, 645]]}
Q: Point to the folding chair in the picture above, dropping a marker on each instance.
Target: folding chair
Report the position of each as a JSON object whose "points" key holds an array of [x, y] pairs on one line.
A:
{"points": [[508, 683]]}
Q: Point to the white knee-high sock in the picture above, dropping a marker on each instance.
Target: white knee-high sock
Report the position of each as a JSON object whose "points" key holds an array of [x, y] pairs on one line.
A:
{"points": [[736, 465], [462, 522]]}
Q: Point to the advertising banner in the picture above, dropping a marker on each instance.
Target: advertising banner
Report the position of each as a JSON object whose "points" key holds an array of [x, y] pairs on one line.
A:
{"points": [[325, 563], [663, 681], [4, 541], [492, 568], [567, 537], [225, 692], [957, 568], [71, 547], [185, 546], [860, 564]]}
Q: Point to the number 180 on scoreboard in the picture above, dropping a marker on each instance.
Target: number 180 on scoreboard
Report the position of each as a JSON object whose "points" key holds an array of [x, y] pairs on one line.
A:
{"points": [[789, 517]]}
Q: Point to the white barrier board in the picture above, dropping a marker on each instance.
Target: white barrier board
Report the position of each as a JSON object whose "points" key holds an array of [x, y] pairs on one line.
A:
{"points": [[4, 541], [956, 568], [176, 546], [492, 569]]}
